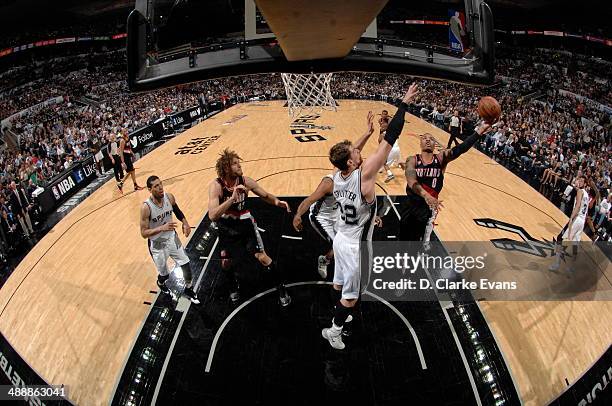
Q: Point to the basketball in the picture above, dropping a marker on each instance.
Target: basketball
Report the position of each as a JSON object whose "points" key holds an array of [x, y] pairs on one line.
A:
{"points": [[489, 109]]}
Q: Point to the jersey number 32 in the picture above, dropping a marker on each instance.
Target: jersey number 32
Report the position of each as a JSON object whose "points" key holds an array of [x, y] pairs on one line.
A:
{"points": [[348, 213]]}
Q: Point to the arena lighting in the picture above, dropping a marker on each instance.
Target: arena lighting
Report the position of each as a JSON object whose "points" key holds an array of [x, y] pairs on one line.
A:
{"points": [[192, 59], [379, 47], [243, 50]]}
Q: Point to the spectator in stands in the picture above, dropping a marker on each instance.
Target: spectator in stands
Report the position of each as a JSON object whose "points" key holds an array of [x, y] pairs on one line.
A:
{"points": [[21, 206]]}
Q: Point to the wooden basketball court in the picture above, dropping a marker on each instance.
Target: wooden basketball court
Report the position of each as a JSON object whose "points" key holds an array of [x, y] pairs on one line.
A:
{"points": [[73, 307]]}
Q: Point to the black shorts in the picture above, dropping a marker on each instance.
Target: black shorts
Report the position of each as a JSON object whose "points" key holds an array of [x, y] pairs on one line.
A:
{"points": [[415, 215], [236, 235], [129, 166]]}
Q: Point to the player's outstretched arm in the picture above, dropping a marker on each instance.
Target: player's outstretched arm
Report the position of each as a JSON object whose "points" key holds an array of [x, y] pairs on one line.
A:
{"points": [[325, 187], [595, 189], [376, 161], [266, 196], [458, 150], [360, 143]]}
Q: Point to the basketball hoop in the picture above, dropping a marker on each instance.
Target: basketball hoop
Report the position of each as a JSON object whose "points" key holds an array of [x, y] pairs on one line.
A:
{"points": [[308, 92]]}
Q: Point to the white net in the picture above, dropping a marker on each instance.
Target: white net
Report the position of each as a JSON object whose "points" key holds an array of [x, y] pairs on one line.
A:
{"points": [[308, 92]]}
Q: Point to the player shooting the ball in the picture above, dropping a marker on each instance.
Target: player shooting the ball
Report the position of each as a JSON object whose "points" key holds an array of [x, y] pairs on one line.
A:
{"points": [[425, 176]]}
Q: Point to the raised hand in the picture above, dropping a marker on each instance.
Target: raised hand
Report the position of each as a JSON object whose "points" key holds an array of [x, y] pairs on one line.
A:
{"points": [[370, 122], [412, 91]]}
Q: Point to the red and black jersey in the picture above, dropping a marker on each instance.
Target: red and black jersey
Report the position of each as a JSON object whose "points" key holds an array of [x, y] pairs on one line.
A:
{"points": [[430, 176], [127, 147], [384, 123], [238, 208]]}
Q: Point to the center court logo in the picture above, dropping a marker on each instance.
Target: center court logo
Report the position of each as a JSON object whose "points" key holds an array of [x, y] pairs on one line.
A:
{"points": [[196, 145], [234, 119], [305, 129]]}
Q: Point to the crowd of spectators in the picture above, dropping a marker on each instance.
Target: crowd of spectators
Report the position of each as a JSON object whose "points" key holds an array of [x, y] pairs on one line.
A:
{"points": [[585, 76], [548, 138]]}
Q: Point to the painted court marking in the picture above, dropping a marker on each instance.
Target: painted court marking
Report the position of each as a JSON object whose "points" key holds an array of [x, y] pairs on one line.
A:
{"points": [[213, 347]]}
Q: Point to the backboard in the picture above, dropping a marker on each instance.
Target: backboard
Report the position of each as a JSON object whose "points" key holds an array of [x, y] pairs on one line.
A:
{"points": [[181, 41]]}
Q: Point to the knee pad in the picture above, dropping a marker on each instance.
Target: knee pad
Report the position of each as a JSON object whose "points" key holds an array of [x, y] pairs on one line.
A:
{"points": [[226, 260]]}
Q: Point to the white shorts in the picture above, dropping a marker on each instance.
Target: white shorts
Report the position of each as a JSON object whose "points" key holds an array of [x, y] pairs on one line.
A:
{"points": [[324, 227], [576, 232], [394, 156], [352, 270], [163, 249]]}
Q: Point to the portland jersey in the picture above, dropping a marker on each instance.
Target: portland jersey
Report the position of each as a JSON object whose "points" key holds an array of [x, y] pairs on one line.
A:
{"points": [[384, 123], [127, 147], [237, 209], [326, 207], [356, 218], [159, 216], [430, 176]]}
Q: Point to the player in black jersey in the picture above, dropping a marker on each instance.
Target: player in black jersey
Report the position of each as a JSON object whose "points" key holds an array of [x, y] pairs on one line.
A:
{"points": [[127, 162], [237, 227], [425, 176]]}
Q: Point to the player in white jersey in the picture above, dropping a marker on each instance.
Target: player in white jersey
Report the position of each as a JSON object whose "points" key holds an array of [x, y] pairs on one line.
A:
{"points": [[323, 207], [354, 190], [573, 229], [158, 226], [395, 155]]}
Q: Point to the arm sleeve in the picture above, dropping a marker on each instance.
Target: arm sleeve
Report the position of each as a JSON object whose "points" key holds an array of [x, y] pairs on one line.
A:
{"points": [[462, 148], [396, 125], [177, 211]]}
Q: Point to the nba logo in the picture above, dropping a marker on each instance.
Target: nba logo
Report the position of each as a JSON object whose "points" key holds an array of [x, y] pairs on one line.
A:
{"points": [[55, 193], [456, 30]]}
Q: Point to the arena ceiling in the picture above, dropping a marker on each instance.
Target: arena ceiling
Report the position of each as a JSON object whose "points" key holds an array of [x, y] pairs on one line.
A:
{"points": [[15, 14]]}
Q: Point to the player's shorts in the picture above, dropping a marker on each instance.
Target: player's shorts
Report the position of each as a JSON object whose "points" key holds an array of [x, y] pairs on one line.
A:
{"points": [[163, 248], [324, 227], [352, 270], [237, 234], [129, 165], [394, 156], [576, 231]]}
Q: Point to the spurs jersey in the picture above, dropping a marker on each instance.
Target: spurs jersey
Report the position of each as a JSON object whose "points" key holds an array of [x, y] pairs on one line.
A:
{"points": [[430, 176], [160, 216], [356, 218], [325, 207], [584, 205], [237, 210]]}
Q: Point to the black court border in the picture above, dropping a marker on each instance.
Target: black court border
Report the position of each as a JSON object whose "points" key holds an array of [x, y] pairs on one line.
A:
{"points": [[142, 391]]}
